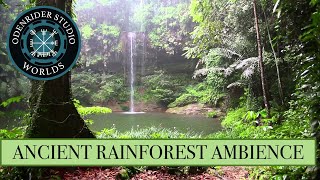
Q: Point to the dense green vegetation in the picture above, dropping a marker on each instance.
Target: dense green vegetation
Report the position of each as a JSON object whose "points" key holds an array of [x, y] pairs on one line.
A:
{"points": [[255, 60]]}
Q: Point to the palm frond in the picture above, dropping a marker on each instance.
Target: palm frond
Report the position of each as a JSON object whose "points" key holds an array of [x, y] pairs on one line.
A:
{"points": [[236, 84], [248, 67], [245, 63], [206, 71]]}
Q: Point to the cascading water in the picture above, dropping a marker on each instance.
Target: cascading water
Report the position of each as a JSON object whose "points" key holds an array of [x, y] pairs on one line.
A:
{"points": [[132, 76], [131, 37]]}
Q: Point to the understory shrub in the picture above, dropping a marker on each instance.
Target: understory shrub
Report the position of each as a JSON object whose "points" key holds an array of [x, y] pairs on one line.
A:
{"points": [[11, 100], [16, 114], [201, 93], [92, 88], [278, 172], [212, 114], [183, 100], [163, 88], [17, 132], [241, 123], [83, 111], [145, 133]]}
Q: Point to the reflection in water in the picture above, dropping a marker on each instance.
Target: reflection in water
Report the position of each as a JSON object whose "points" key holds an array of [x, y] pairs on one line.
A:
{"points": [[183, 123], [129, 112], [126, 121]]}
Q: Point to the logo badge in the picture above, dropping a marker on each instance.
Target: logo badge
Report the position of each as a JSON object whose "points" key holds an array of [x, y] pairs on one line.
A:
{"points": [[43, 43]]}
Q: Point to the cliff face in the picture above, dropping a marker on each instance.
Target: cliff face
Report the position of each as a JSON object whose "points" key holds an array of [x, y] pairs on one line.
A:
{"points": [[147, 59], [172, 64]]}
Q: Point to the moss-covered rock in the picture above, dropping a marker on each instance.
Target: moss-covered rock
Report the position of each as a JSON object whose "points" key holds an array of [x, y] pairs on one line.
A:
{"points": [[122, 175], [194, 109]]}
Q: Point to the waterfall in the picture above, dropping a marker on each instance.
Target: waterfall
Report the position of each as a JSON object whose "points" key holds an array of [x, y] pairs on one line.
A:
{"points": [[132, 38], [132, 76]]}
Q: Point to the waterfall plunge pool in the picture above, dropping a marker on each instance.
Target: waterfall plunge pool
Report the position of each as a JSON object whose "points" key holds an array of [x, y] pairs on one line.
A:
{"points": [[125, 122], [183, 123]]}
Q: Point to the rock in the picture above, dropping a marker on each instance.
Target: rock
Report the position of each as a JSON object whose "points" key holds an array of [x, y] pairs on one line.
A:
{"points": [[194, 109], [122, 175], [139, 106]]}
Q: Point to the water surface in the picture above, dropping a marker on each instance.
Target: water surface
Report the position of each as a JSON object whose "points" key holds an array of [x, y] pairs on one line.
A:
{"points": [[183, 123], [126, 122]]}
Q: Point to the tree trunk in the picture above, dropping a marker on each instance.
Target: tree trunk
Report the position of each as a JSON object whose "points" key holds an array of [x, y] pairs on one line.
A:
{"points": [[53, 114], [276, 61], [261, 65]]}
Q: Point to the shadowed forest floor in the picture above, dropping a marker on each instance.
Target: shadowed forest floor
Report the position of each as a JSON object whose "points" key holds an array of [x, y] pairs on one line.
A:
{"points": [[224, 173]]}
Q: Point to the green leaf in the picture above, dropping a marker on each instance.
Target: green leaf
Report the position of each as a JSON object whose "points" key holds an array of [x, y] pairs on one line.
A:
{"points": [[276, 6], [11, 100]]}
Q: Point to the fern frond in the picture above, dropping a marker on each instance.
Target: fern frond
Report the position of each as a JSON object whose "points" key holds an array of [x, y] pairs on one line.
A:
{"points": [[206, 71]]}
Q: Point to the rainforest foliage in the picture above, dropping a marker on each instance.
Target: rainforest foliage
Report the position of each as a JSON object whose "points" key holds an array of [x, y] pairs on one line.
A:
{"points": [[256, 60]]}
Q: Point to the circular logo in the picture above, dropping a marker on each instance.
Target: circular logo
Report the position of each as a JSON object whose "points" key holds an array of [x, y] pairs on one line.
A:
{"points": [[43, 43]]}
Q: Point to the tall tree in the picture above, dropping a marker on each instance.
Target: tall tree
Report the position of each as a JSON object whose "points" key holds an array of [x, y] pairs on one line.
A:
{"points": [[261, 65], [276, 60], [53, 114]]}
